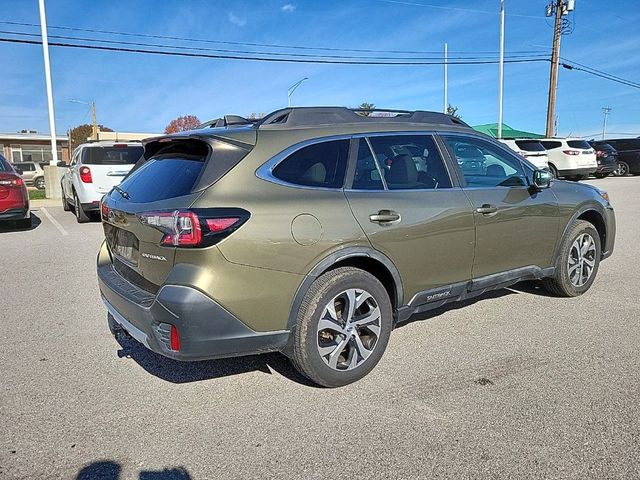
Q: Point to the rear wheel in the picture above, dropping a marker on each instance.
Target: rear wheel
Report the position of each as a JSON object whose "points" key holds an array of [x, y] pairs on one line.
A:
{"points": [[578, 261], [554, 171], [576, 178], [601, 175], [622, 170], [81, 215], [343, 327]]}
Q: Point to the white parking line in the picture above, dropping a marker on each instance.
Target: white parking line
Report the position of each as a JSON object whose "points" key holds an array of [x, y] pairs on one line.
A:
{"points": [[54, 221]]}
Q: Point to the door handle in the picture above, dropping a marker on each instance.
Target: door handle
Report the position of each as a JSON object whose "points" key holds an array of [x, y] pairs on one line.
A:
{"points": [[487, 209], [384, 216]]}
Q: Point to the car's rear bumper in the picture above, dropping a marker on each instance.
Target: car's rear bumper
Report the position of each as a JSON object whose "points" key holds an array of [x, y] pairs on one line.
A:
{"points": [[15, 214], [206, 329], [91, 207], [574, 172]]}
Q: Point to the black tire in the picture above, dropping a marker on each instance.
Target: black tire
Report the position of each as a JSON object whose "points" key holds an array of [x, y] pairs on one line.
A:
{"points": [[561, 284], [24, 223], [39, 183], [114, 328], [81, 215], [601, 175], [306, 338], [623, 169], [553, 170]]}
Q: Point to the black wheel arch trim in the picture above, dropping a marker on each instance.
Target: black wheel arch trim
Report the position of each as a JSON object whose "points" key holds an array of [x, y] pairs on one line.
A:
{"points": [[340, 255], [596, 207]]}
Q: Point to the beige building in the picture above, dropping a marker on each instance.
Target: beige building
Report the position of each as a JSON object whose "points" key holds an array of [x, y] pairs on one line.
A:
{"points": [[32, 147]]}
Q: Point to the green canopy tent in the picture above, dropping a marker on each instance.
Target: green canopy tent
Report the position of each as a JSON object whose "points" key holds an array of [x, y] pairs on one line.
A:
{"points": [[491, 129]]}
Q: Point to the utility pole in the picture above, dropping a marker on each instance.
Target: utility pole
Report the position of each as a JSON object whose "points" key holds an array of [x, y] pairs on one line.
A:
{"points": [[94, 121], [559, 8], [446, 78], [501, 69], [47, 77], [605, 111]]}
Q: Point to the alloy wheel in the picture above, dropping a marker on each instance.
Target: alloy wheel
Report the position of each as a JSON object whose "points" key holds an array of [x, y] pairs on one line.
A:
{"points": [[349, 329], [582, 260]]}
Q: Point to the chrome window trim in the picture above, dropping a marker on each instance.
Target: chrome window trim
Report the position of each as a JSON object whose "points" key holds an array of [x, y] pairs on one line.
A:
{"points": [[265, 171]]}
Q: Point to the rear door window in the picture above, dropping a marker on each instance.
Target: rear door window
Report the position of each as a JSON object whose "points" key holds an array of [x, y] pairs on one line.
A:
{"points": [[549, 144], [319, 165], [582, 144], [112, 155], [530, 145]]}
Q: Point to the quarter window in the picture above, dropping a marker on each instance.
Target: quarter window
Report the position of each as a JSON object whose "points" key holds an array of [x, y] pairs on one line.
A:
{"points": [[318, 165], [486, 165], [410, 162]]}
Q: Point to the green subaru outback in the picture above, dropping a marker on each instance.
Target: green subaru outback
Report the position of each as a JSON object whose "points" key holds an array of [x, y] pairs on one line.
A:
{"points": [[314, 231]]}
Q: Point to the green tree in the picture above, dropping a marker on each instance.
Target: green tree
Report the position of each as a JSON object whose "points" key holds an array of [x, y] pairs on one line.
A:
{"points": [[453, 111], [81, 133], [366, 107]]}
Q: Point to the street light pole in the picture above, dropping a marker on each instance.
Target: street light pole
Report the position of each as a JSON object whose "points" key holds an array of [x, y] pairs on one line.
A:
{"points": [[605, 111], [47, 76], [292, 89], [501, 69]]}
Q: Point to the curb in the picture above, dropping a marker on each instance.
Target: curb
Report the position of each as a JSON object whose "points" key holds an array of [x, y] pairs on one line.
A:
{"points": [[48, 202]]}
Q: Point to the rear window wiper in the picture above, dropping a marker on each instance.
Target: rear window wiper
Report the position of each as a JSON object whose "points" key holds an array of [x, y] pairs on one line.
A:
{"points": [[122, 192]]}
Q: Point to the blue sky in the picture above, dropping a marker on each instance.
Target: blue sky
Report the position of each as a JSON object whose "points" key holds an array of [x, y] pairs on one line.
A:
{"points": [[136, 92]]}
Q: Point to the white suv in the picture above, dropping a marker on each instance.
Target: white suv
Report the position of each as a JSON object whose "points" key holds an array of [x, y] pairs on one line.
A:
{"points": [[571, 158], [94, 170], [530, 149]]}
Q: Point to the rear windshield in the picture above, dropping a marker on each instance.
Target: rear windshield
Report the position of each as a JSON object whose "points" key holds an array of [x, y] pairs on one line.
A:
{"points": [[162, 177], [530, 145], [179, 168], [116, 155], [579, 144]]}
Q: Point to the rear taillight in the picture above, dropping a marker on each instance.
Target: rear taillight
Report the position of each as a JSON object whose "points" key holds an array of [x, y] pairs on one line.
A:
{"points": [[571, 152], [85, 174], [174, 339], [9, 180], [194, 228]]}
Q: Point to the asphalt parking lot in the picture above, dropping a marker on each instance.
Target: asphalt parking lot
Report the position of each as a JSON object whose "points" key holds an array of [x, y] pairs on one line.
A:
{"points": [[514, 385]]}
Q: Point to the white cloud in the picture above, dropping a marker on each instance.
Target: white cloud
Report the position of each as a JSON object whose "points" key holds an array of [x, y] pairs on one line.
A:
{"points": [[288, 8], [236, 20]]}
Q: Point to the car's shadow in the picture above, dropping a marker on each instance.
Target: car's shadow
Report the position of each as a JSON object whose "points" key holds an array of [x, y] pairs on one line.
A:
{"points": [[111, 470], [8, 227], [186, 372]]}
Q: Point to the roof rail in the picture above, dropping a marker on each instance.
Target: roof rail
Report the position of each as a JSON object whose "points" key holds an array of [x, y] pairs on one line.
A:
{"points": [[226, 121], [314, 116]]}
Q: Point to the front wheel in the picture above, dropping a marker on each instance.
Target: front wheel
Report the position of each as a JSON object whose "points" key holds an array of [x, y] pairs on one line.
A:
{"points": [[39, 183], [343, 327], [622, 170], [577, 263]]}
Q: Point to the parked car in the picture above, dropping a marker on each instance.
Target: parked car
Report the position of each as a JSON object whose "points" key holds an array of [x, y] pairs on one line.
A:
{"points": [[628, 155], [14, 198], [292, 235], [530, 149], [32, 173], [570, 158], [607, 158], [94, 170]]}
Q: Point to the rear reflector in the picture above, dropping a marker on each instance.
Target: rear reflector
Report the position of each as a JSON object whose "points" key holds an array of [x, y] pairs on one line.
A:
{"points": [[85, 174], [174, 339]]}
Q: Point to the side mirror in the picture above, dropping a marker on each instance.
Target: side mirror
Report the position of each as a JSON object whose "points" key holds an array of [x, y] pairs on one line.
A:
{"points": [[542, 179]]}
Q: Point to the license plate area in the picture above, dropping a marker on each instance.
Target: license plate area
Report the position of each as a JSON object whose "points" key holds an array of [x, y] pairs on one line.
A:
{"points": [[123, 244]]}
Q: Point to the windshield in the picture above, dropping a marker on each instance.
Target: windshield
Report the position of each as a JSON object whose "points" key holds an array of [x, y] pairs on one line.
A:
{"points": [[530, 145], [114, 155], [579, 144]]}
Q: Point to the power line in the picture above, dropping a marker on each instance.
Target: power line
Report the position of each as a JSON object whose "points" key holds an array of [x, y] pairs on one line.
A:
{"points": [[267, 59], [571, 66], [180, 47], [247, 44]]}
